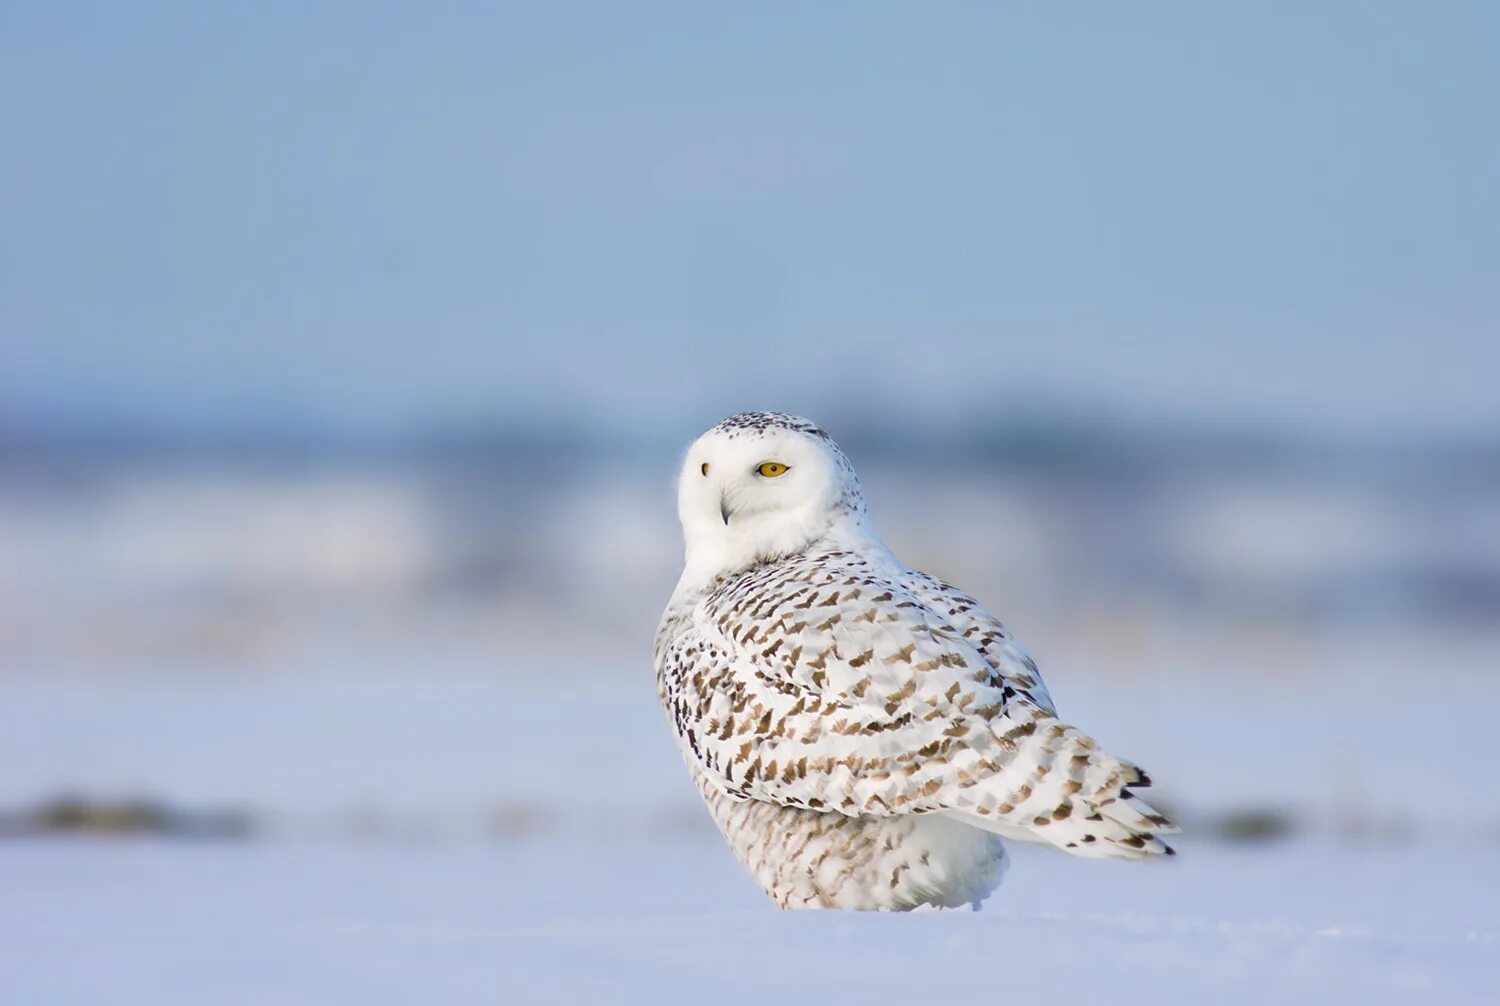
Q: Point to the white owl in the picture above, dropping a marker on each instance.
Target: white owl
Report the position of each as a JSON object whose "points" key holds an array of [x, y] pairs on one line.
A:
{"points": [[863, 733]]}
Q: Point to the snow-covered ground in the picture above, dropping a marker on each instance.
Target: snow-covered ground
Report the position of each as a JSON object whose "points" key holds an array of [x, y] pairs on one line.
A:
{"points": [[671, 920], [465, 838]]}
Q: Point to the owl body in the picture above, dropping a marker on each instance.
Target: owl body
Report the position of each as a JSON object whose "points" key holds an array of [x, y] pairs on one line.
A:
{"points": [[862, 733], [823, 859]]}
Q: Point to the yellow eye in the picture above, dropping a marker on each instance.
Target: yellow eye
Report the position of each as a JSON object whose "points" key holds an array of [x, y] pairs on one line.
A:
{"points": [[771, 469], [704, 469]]}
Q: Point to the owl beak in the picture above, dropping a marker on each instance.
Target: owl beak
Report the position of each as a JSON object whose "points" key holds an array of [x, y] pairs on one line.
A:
{"points": [[724, 509]]}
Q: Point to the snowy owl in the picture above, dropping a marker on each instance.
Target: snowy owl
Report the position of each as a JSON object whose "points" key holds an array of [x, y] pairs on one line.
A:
{"points": [[864, 734]]}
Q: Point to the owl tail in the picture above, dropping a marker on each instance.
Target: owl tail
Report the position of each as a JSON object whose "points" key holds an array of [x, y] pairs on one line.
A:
{"points": [[1061, 789]]}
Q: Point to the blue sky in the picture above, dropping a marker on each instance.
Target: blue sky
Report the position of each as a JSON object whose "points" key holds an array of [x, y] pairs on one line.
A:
{"points": [[377, 217]]}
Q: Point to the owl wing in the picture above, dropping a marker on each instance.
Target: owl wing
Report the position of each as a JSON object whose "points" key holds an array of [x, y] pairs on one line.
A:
{"points": [[825, 682], [1007, 658]]}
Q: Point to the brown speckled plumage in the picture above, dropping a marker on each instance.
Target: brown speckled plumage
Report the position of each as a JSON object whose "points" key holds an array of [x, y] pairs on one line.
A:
{"points": [[863, 732]]}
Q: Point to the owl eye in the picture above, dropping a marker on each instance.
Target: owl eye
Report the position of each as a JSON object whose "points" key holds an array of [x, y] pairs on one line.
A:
{"points": [[704, 469], [771, 469]]}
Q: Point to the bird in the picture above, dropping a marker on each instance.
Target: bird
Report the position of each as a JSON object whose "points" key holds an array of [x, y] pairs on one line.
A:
{"points": [[864, 734]]}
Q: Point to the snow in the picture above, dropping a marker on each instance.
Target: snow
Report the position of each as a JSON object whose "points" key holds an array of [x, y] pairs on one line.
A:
{"points": [[446, 840], [673, 920]]}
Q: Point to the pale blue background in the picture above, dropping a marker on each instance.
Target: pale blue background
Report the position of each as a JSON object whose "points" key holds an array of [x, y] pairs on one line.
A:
{"points": [[375, 218]]}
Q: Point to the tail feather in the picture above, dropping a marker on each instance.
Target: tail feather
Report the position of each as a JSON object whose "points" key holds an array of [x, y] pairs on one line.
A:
{"points": [[1061, 789]]}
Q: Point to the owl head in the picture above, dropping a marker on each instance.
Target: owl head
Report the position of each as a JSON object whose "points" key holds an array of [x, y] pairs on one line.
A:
{"points": [[764, 484]]}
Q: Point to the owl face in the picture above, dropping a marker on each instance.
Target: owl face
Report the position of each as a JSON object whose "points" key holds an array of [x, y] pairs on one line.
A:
{"points": [[762, 483]]}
